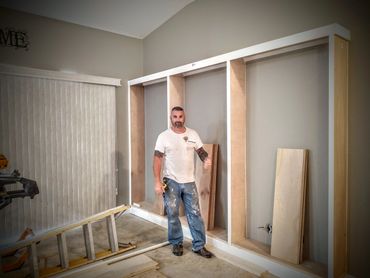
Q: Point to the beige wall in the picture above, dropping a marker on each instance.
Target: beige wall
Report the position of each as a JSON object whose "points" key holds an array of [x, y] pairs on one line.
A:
{"points": [[210, 27], [57, 45]]}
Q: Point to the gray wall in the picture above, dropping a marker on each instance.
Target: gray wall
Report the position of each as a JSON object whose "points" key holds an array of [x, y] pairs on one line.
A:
{"points": [[210, 27], [57, 45], [288, 109]]}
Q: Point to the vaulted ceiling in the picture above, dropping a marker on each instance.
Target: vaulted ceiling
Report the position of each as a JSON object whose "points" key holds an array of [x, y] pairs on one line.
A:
{"points": [[133, 18]]}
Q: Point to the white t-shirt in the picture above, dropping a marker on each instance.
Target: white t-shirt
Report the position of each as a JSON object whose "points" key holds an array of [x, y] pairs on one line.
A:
{"points": [[178, 149]]}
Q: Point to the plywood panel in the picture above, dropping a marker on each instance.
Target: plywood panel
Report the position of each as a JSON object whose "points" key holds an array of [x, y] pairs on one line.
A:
{"points": [[176, 95], [137, 144], [289, 204], [176, 89], [159, 205], [238, 116], [205, 180], [155, 102], [340, 155]]}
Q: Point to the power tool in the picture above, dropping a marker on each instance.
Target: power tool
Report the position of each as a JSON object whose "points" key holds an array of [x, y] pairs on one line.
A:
{"points": [[164, 184], [30, 187]]}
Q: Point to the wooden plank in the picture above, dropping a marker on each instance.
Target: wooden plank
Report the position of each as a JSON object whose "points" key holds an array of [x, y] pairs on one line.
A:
{"points": [[175, 97], [205, 180], [112, 233], [340, 156], [290, 187], [32, 260], [237, 72], [176, 92], [137, 130], [211, 219], [89, 241], [63, 250], [159, 205]]}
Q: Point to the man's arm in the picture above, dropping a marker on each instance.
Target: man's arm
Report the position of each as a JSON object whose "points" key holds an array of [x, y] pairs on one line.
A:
{"points": [[203, 155], [157, 165]]}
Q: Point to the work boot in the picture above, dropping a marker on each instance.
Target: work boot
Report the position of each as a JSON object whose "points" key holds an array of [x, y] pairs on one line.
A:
{"points": [[204, 253], [177, 249]]}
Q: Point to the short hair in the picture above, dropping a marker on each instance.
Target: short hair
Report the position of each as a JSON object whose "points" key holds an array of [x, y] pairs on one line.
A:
{"points": [[177, 108]]}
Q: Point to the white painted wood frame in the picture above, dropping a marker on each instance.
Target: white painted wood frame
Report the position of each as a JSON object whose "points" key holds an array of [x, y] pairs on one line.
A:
{"points": [[337, 38]]}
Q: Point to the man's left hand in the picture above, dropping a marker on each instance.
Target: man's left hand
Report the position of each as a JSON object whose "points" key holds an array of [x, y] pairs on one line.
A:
{"points": [[207, 163]]}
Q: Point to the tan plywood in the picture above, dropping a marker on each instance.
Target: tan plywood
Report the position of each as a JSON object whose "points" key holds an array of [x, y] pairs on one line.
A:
{"points": [[340, 155], [137, 144], [205, 180], [159, 205], [238, 118], [176, 88], [289, 204]]}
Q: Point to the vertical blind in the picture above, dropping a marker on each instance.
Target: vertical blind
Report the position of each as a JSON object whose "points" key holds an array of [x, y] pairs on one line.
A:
{"points": [[62, 134]]}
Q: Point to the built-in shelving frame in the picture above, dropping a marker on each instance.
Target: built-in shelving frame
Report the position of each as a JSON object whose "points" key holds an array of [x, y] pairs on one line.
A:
{"points": [[336, 37]]}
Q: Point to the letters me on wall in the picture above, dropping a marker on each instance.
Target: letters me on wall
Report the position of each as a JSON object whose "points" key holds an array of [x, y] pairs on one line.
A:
{"points": [[13, 38]]}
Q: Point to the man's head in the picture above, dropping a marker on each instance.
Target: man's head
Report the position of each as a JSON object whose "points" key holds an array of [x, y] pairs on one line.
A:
{"points": [[177, 117]]}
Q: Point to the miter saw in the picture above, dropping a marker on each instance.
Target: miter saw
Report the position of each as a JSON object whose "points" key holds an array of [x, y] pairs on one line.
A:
{"points": [[30, 187]]}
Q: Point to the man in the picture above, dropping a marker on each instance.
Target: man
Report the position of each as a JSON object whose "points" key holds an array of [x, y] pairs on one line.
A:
{"points": [[176, 147]]}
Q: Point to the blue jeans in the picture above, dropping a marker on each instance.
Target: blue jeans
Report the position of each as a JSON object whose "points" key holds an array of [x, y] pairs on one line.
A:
{"points": [[187, 192]]}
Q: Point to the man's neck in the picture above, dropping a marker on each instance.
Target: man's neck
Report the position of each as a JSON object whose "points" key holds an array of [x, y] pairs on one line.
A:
{"points": [[178, 129]]}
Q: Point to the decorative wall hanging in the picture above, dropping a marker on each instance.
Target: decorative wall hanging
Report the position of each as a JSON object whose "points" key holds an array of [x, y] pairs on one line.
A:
{"points": [[10, 37]]}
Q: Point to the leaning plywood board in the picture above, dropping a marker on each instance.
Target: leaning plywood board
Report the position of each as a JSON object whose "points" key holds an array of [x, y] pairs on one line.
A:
{"points": [[159, 204], [289, 204], [205, 180]]}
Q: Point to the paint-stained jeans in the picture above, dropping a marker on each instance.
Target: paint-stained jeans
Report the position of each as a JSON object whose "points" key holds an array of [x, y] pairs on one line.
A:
{"points": [[188, 193]]}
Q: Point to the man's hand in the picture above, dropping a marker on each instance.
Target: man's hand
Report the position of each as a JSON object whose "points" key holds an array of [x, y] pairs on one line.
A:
{"points": [[157, 163], [207, 163], [158, 188]]}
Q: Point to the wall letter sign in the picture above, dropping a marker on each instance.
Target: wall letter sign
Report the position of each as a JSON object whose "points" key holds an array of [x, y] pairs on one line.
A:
{"points": [[12, 38]]}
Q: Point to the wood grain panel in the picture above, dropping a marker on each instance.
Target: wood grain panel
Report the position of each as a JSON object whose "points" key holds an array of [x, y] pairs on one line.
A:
{"points": [[238, 118], [205, 180], [176, 89], [137, 144], [289, 204], [340, 155]]}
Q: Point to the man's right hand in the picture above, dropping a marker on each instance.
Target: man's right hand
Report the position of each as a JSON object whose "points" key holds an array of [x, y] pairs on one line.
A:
{"points": [[158, 188]]}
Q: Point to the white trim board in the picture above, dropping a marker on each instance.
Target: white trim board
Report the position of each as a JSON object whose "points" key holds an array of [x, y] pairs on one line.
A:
{"points": [[58, 75], [307, 36]]}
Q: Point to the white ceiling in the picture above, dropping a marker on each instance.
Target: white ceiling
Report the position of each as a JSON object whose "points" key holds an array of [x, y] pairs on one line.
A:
{"points": [[134, 18]]}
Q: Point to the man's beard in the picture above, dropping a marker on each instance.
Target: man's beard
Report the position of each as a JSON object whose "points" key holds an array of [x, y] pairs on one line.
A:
{"points": [[178, 124]]}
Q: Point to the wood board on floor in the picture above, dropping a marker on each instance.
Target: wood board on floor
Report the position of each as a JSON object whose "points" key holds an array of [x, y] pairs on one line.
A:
{"points": [[205, 180], [289, 204], [159, 204], [130, 267]]}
